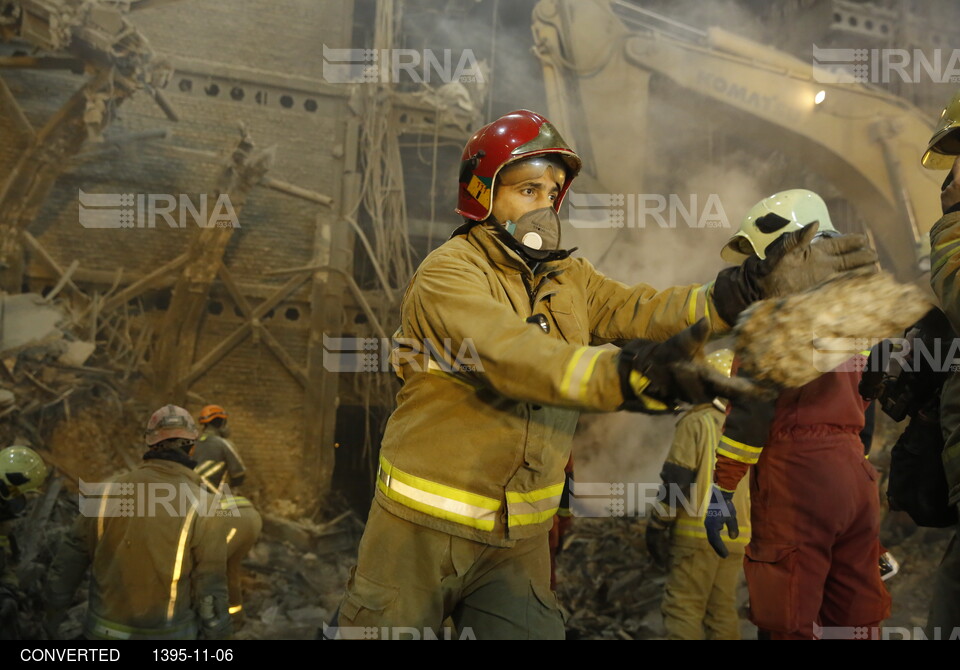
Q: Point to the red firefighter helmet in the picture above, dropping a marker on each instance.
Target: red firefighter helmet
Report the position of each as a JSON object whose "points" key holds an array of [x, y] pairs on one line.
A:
{"points": [[516, 136]]}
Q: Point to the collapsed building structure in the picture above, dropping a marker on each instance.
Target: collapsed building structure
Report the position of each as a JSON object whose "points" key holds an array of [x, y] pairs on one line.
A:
{"points": [[201, 203]]}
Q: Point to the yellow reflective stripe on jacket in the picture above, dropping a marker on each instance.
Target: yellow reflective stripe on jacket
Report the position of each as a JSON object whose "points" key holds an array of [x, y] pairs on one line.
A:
{"points": [[228, 502], [534, 506], [443, 502], [941, 253], [103, 629], [578, 373], [738, 451], [178, 564], [208, 468], [699, 305], [695, 528]]}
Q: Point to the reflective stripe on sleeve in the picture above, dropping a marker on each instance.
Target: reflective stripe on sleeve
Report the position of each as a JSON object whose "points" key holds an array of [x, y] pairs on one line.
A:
{"points": [[738, 451]]}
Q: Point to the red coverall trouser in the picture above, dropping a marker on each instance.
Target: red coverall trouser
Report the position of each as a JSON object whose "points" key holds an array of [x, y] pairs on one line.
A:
{"points": [[812, 563]]}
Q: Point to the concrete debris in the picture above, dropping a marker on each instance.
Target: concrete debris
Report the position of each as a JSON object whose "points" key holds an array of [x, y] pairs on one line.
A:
{"points": [[27, 320], [792, 341], [77, 353]]}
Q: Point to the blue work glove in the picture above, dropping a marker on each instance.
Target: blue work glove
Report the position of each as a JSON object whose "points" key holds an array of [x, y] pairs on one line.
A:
{"points": [[721, 512]]}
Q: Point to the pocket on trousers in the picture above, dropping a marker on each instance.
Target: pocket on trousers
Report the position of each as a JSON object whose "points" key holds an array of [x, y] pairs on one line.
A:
{"points": [[770, 570], [365, 601], [544, 617]]}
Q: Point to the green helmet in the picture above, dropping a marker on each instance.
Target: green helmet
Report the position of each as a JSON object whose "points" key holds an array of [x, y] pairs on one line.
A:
{"points": [[773, 216], [944, 146], [21, 470]]}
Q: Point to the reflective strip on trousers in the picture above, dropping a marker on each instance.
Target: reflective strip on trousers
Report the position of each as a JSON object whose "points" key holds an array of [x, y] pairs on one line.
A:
{"points": [[102, 629], [534, 507], [438, 500]]}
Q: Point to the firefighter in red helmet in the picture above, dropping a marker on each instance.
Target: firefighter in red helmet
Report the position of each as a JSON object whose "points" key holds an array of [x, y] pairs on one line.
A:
{"points": [[498, 353]]}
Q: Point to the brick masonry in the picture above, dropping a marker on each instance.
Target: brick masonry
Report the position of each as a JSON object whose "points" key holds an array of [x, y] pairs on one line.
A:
{"points": [[256, 45]]}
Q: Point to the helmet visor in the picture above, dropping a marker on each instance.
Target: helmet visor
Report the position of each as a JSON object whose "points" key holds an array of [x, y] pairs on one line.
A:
{"points": [[531, 169]]}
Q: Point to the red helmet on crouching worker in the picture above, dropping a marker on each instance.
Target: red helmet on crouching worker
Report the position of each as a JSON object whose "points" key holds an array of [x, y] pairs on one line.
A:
{"points": [[516, 136]]}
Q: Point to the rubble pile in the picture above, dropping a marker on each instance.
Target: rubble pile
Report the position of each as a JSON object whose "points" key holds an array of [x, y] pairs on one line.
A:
{"points": [[607, 585]]}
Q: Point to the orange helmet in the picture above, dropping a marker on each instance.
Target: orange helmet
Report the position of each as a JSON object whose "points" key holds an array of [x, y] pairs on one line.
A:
{"points": [[169, 422], [211, 412]]}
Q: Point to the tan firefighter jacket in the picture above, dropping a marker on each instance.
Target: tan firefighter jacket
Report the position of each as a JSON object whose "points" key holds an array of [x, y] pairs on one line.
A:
{"points": [[694, 448], [484, 421], [944, 266], [153, 552]]}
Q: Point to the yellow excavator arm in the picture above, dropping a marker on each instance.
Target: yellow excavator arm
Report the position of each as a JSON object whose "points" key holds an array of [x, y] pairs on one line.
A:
{"points": [[865, 141]]}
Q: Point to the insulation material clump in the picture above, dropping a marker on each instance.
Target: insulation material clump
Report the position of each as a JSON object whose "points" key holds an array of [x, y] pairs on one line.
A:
{"points": [[789, 342]]}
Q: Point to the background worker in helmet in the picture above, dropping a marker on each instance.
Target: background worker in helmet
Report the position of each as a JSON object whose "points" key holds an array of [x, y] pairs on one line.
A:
{"points": [[158, 562], [497, 350], [218, 461], [21, 470], [811, 562], [700, 594], [941, 154]]}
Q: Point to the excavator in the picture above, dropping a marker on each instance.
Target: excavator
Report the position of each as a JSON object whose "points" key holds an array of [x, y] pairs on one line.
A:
{"points": [[862, 139]]}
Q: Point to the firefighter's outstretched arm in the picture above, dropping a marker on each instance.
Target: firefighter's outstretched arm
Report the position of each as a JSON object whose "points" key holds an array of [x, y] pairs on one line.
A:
{"points": [[792, 264]]}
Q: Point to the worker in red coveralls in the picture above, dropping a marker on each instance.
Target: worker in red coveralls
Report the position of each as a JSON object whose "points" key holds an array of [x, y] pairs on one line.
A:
{"points": [[811, 564]]}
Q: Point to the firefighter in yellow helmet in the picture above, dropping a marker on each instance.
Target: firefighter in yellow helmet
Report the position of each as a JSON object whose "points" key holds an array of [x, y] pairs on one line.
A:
{"points": [[700, 593], [498, 350], [21, 470], [220, 466], [153, 539], [942, 153]]}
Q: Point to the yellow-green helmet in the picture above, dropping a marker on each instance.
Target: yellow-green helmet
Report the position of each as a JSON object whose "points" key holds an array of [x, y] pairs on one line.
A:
{"points": [[721, 360], [773, 216], [944, 146], [21, 470]]}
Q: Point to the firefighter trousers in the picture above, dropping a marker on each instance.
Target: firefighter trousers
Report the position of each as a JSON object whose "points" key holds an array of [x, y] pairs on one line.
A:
{"points": [[700, 594], [409, 579], [243, 532]]}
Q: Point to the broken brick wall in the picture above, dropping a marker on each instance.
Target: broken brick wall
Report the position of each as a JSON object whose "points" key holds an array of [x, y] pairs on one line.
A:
{"points": [[258, 62]]}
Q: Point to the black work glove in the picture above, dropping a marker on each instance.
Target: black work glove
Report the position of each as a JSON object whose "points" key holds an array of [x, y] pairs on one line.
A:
{"points": [[658, 541], [792, 264], [656, 377]]}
